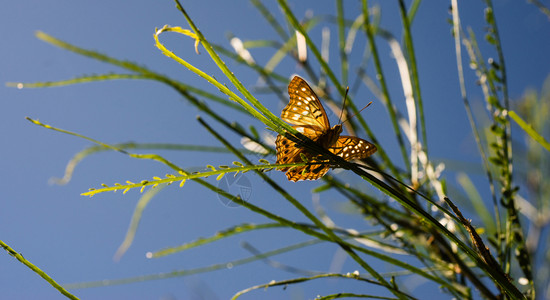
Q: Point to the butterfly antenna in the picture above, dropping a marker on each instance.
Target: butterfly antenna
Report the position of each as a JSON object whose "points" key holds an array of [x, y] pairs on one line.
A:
{"points": [[343, 105], [357, 112]]}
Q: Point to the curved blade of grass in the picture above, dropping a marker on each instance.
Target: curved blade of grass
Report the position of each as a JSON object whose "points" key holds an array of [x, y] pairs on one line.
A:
{"points": [[148, 76], [133, 67], [239, 229], [205, 76], [274, 122], [352, 34], [305, 279], [353, 295], [136, 217], [140, 156], [169, 178], [267, 75], [77, 158], [263, 71], [92, 54], [278, 265], [178, 86], [187, 272], [529, 130]]}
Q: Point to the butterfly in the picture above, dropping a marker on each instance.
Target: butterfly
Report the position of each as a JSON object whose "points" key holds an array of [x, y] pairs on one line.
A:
{"points": [[308, 117]]}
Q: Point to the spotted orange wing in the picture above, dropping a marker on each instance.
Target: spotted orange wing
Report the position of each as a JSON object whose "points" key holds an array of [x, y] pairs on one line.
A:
{"points": [[351, 147], [305, 108], [347, 147], [289, 152], [307, 114]]}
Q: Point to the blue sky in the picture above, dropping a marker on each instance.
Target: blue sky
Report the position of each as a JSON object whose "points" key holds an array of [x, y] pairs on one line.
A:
{"points": [[73, 238]]}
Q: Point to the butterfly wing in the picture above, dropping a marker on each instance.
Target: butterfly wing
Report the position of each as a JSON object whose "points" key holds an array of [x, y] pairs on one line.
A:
{"points": [[351, 147], [288, 151], [347, 147], [307, 114], [304, 107], [309, 172]]}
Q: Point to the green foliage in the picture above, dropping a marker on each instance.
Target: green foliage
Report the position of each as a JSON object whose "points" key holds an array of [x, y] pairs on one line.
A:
{"points": [[427, 226], [37, 270]]}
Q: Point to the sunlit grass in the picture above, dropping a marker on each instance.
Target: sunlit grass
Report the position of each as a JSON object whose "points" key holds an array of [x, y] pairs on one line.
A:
{"points": [[427, 225]]}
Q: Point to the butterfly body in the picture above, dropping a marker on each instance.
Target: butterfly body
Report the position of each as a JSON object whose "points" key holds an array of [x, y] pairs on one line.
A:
{"points": [[308, 117]]}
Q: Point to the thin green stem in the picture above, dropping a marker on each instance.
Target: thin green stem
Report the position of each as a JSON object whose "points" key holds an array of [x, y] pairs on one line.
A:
{"points": [[328, 231], [409, 47], [324, 65], [37, 270], [270, 19], [342, 41], [381, 79], [475, 55], [187, 272]]}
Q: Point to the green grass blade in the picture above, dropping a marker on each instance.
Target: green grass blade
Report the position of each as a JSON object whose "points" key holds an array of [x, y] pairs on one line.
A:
{"points": [[239, 229], [37, 270], [344, 65], [136, 218], [477, 203], [187, 272], [304, 279], [529, 130], [380, 75]]}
